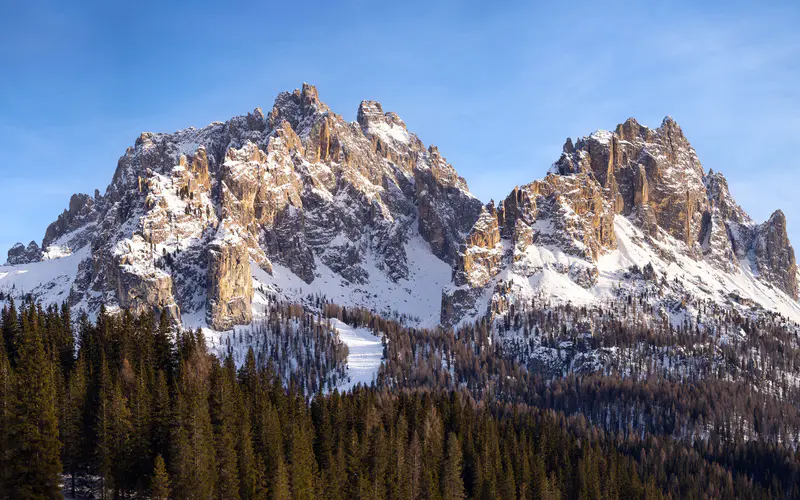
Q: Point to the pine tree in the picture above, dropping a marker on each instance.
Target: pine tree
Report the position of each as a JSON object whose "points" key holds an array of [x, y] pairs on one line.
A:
{"points": [[6, 405], [160, 415], [72, 415], [11, 331], [252, 476], [159, 484], [193, 440], [139, 448], [34, 464], [302, 464], [222, 407], [452, 483]]}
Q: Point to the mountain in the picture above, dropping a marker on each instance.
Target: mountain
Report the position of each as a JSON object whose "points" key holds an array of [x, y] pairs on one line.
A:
{"points": [[629, 211], [204, 225], [200, 224]]}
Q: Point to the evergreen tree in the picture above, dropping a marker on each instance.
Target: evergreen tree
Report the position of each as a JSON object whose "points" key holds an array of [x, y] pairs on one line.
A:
{"points": [[159, 484], [222, 408], [11, 331], [6, 407], [452, 483], [161, 415], [34, 466], [139, 446], [72, 419], [302, 464], [193, 441]]}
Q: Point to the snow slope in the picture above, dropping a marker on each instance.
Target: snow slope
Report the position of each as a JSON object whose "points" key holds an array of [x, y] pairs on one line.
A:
{"points": [[418, 297], [542, 272], [48, 281], [365, 356]]}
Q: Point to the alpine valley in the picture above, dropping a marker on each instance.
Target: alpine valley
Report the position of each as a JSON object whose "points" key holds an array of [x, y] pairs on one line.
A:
{"points": [[626, 288]]}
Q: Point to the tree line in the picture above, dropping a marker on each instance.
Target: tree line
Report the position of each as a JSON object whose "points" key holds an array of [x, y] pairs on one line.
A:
{"points": [[129, 407]]}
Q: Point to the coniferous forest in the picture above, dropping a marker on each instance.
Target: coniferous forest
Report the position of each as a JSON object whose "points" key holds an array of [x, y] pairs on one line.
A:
{"points": [[128, 407]]}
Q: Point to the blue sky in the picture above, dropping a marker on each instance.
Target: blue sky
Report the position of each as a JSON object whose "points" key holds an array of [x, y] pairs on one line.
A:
{"points": [[497, 89]]}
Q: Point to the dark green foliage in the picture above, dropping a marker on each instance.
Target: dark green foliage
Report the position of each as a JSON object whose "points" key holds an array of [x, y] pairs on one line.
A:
{"points": [[137, 393], [33, 464]]}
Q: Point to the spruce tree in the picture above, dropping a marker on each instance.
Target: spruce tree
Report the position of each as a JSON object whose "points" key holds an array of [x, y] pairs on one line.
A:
{"points": [[72, 415], [452, 483], [302, 464], [159, 484], [139, 448], [11, 330], [222, 408], [193, 442], [6, 405], [161, 414], [34, 465]]}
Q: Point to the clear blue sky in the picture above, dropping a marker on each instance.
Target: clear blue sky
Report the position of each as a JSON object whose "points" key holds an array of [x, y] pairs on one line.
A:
{"points": [[498, 87]]}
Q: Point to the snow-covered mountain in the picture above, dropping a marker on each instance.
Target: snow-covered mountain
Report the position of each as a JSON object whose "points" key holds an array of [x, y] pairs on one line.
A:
{"points": [[204, 224], [199, 223], [629, 211]]}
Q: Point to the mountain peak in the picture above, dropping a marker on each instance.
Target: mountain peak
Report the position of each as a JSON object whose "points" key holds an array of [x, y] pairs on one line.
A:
{"points": [[298, 108], [631, 130], [369, 112], [309, 94]]}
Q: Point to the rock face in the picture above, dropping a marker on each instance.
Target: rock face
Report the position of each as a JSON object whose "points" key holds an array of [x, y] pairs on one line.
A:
{"points": [[566, 223], [651, 175], [20, 254], [189, 217], [774, 254], [230, 289], [73, 224]]}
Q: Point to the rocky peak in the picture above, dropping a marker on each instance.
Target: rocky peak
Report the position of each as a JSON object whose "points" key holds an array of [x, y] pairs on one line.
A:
{"points": [[20, 254], [632, 131], [369, 112], [81, 211], [651, 175], [299, 108], [775, 259], [719, 197]]}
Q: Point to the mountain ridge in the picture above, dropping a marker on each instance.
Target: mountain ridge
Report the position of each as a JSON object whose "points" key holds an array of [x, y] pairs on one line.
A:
{"points": [[201, 224]]}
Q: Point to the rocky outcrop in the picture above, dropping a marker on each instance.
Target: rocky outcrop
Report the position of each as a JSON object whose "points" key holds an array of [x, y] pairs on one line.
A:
{"points": [[138, 284], [481, 254], [774, 255], [20, 254], [563, 213], [651, 175], [73, 222], [230, 286]]}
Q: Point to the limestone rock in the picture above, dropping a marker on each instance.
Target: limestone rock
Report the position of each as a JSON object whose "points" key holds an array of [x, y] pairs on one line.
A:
{"points": [[75, 223], [774, 254], [481, 254], [446, 209], [567, 222], [230, 286]]}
